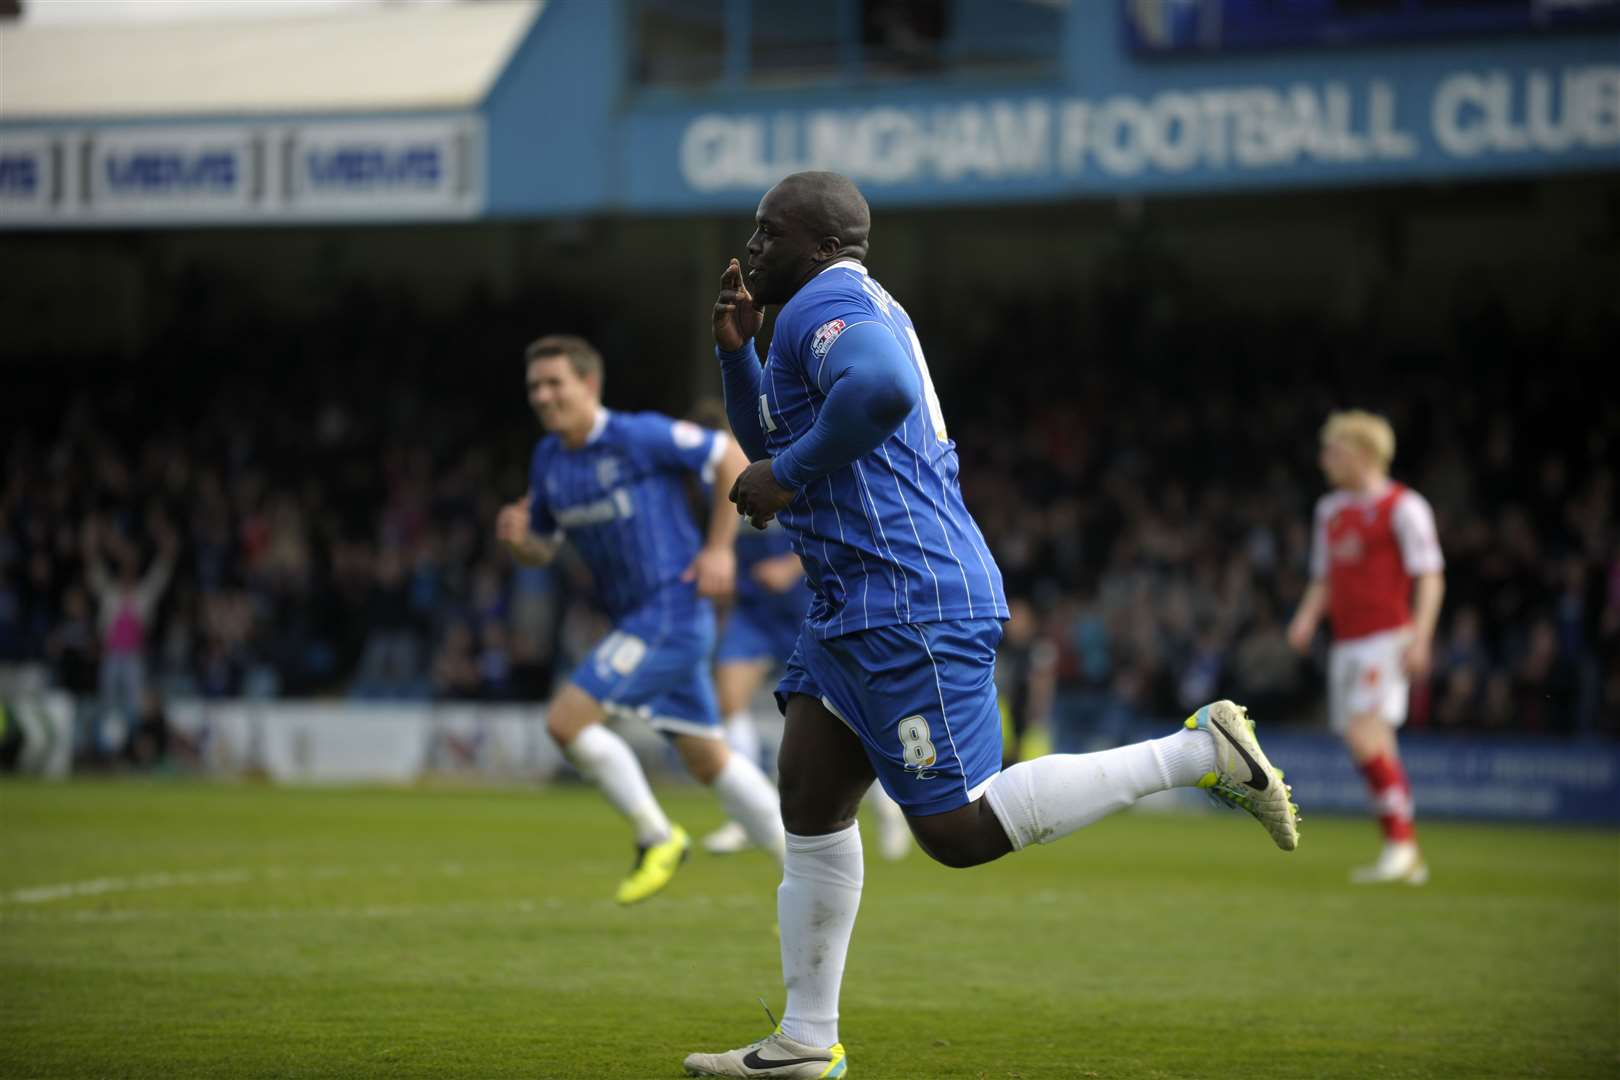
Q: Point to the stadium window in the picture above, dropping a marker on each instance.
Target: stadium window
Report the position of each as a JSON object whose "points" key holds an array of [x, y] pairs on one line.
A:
{"points": [[799, 41], [693, 43], [902, 36], [680, 42], [1008, 37]]}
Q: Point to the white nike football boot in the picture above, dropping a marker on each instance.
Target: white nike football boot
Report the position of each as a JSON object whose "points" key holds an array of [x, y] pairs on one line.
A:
{"points": [[1243, 777], [1400, 861], [775, 1055], [728, 839]]}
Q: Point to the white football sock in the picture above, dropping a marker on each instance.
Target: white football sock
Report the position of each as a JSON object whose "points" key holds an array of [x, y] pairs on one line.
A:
{"points": [[816, 906], [742, 735], [1043, 800], [751, 800], [609, 763]]}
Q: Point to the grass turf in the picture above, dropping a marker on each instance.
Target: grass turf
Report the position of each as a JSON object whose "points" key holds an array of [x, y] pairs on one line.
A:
{"points": [[190, 930]]}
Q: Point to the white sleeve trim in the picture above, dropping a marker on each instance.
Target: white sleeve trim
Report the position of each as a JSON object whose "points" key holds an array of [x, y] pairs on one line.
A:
{"points": [[1415, 532], [1319, 538], [716, 451]]}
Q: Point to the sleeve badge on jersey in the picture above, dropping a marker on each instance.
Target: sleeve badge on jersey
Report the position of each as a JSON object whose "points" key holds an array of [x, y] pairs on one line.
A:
{"points": [[825, 336], [686, 434]]}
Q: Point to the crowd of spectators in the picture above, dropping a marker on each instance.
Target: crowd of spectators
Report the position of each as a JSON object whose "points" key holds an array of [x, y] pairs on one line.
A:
{"points": [[304, 534]]}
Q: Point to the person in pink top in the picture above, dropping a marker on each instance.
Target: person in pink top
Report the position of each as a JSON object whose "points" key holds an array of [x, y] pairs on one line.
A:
{"points": [[125, 607], [1378, 574]]}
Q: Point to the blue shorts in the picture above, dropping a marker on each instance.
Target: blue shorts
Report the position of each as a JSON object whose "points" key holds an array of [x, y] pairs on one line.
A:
{"points": [[757, 632], [655, 665], [921, 698]]}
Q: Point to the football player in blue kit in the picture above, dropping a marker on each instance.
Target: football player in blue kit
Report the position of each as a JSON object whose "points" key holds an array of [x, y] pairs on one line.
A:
{"points": [[612, 483], [893, 675]]}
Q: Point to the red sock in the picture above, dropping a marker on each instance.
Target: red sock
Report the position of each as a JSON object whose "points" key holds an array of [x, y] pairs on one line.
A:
{"points": [[1392, 797]]}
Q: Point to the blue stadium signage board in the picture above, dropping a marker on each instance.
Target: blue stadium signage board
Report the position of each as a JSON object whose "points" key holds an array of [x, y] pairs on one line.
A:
{"points": [[1189, 135]]}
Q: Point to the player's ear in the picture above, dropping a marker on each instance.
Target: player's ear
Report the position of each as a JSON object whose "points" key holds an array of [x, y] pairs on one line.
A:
{"points": [[829, 249]]}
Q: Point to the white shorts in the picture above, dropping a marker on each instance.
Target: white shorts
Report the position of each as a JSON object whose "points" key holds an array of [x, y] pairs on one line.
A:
{"points": [[1365, 676]]}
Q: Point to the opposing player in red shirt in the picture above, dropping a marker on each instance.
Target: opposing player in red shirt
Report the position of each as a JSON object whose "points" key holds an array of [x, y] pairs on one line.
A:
{"points": [[1374, 539]]}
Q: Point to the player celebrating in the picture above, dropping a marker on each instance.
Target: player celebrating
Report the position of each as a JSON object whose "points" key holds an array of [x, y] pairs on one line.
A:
{"points": [[612, 484], [1373, 539], [893, 674]]}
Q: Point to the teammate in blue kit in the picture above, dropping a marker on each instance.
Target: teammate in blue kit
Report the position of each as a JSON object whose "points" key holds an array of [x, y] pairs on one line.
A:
{"points": [[893, 675], [760, 634], [612, 484]]}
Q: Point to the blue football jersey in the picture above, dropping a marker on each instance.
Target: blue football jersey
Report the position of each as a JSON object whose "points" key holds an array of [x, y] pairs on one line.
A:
{"points": [[621, 500], [885, 540]]}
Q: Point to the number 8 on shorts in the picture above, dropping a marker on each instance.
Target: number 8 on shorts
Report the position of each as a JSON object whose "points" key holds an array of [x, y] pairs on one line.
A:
{"points": [[916, 742]]}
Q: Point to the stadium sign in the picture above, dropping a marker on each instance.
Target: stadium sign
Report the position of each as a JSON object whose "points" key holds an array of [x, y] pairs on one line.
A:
{"points": [[27, 174], [168, 171], [161, 174], [382, 168], [1197, 133]]}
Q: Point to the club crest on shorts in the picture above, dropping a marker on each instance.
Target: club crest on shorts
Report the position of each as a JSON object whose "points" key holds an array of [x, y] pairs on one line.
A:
{"points": [[826, 334]]}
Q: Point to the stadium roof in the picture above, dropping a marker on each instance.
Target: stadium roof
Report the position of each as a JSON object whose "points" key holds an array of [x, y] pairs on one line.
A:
{"points": [[426, 58]]}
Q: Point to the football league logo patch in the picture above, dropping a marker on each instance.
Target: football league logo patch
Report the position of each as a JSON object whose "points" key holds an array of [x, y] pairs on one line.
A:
{"points": [[825, 336]]}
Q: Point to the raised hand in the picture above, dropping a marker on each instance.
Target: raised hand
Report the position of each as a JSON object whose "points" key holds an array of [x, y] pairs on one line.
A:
{"points": [[736, 318]]}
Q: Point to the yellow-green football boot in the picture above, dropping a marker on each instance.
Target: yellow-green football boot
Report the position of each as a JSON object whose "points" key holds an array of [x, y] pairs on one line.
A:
{"points": [[655, 866]]}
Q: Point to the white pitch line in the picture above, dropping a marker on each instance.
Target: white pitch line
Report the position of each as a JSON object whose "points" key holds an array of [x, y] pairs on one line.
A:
{"points": [[179, 879], [517, 906], [44, 894]]}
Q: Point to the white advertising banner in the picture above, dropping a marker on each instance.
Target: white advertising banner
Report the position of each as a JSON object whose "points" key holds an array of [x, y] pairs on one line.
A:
{"points": [[319, 742], [172, 172], [250, 173], [381, 168], [28, 175]]}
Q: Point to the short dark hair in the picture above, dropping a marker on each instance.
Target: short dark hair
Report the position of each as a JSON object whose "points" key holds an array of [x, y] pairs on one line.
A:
{"points": [[582, 355]]}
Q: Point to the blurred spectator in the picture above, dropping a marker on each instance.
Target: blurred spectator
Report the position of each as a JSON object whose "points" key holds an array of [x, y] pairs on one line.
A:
{"points": [[325, 524], [126, 604], [456, 675], [1026, 667]]}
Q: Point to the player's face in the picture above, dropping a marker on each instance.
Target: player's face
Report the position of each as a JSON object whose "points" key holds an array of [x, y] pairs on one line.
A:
{"points": [[781, 253], [559, 396], [1340, 462]]}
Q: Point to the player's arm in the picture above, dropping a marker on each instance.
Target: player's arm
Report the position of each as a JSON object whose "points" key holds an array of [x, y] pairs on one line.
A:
{"points": [[715, 568], [736, 321], [872, 386], [1430, 590], [779, 573], [1419, 541], [512, 529], [1302, 631]]}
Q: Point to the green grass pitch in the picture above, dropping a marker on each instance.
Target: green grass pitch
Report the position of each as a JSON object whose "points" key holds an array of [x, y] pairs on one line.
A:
{"points": [[175, 929]]}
